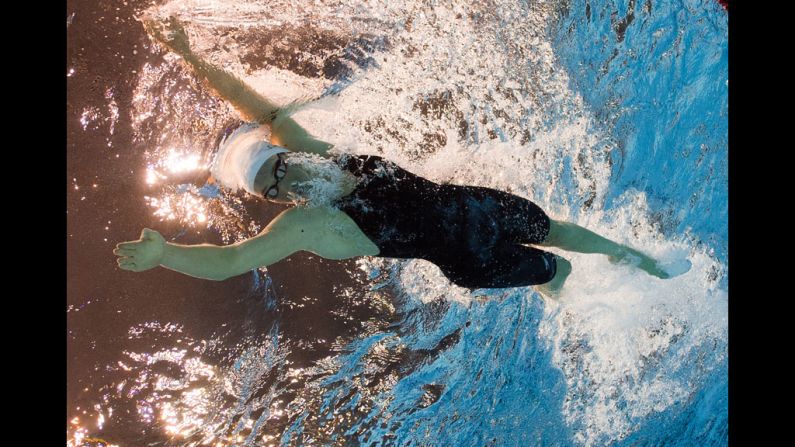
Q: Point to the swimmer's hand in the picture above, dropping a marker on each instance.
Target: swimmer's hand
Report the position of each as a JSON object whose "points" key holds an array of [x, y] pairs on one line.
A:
{"points": [[144, 254], [169, 33]]}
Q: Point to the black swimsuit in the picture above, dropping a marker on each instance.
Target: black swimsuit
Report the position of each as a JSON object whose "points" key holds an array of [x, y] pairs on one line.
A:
{"points": [[472, 233]]}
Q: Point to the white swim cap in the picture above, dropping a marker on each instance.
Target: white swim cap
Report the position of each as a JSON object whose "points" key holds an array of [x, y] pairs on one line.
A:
{"points": [[241, 155]]}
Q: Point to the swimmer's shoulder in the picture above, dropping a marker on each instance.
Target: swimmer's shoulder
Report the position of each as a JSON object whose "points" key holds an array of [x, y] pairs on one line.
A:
{"points": [[334, 234]]}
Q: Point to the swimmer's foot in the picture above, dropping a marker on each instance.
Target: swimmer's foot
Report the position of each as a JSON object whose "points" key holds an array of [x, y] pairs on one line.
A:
{"points": [[638, 260], [552, 288], [546, 291], [649, 265], [676, 268]]}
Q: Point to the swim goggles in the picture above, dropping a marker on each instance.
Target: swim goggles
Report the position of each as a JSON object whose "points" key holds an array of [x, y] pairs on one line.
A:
{"points": [[279, 170]]}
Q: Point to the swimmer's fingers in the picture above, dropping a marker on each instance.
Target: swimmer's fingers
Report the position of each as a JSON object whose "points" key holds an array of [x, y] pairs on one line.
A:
{"points": [[131, 245], [143, 254], [170, 33], [132, 264], [153, 28], [126, 264], [124, 251], [176, 37], [174, 26]]}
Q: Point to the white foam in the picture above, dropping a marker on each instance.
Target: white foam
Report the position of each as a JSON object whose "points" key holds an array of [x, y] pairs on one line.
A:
{"points": [[325, 182]]}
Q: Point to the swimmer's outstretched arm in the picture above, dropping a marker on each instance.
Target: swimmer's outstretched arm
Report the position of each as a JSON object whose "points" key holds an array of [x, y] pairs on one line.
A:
{"points": [[313, 230], [281, 238], [250, 104], [572, 237], [204, 261]]}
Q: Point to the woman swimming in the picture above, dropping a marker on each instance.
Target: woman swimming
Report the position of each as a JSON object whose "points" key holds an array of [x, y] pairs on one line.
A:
{"points": [[349, 206]]}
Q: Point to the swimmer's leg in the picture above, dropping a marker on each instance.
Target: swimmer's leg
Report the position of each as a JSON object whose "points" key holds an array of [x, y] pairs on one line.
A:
{"points": [[501, 266], [571, 237], [552, 288]]}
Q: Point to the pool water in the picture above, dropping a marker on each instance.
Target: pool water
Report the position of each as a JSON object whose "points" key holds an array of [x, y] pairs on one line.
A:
{"points": [[609, 114]]}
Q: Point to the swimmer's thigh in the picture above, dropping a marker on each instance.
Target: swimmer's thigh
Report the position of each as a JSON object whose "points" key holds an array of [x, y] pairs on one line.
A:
{"points": [[510, 265], [520, 221]]}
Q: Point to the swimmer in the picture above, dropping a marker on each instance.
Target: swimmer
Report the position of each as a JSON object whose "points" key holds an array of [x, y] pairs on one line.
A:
{"points": [[363, 205]]}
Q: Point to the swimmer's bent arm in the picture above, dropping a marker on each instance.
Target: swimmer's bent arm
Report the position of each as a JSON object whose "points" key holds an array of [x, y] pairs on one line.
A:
{"points": [[250, 104]]}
